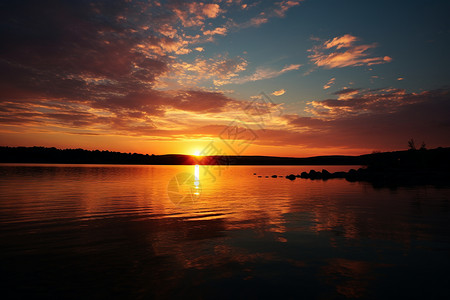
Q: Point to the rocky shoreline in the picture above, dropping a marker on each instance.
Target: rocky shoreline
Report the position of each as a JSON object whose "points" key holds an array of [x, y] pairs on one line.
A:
{"points": [[392, 177]]}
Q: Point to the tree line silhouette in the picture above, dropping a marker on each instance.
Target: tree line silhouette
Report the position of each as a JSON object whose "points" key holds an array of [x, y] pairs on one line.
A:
{"points": [[412, 159], [81, 156]]}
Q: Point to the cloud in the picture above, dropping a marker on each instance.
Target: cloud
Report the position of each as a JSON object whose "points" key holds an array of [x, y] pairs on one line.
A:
{"points": [[342, 52], [275, 10], [284, 6], [261, 74], [211, 10], [345, 41], [264, 73], [94, 66], [329, 83], [389, 126], [218, 30], [167, 30], [279, 93], [162, 46], [201, 101], [346, 93], [129, 114], [383, 119], [257, 21], [355, 101], [217, 70], [222, 71], [194, 13]]}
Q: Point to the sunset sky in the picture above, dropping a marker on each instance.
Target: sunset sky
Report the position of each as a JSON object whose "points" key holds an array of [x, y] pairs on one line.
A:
{"points": [[327, 76]]}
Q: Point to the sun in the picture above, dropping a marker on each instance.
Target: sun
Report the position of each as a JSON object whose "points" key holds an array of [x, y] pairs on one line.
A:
{"points": [[197, 153]]}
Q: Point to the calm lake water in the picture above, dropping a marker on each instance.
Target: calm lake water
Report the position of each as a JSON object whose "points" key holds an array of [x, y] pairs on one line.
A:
{"points": [[99, 231]]}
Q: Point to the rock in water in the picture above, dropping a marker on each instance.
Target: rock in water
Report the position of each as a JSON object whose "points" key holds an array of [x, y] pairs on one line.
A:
{"points": [[291, 177]]}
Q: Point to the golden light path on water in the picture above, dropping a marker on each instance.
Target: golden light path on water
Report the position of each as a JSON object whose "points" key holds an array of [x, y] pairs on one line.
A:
{"points": [[197, 180]]}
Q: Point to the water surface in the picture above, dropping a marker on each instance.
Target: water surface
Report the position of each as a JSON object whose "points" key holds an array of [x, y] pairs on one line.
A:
{"points": [[102, 231]]}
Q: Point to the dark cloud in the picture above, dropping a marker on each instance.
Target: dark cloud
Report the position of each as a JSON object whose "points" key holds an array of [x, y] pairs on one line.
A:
{"points": [[57, 49], [92, 63], [200, 101], [358, 101], [422, 116]]}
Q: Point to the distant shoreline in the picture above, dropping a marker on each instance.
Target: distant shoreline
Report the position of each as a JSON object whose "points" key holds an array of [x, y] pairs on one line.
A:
{"points": [[81, 156], [112, 165], [432, 158]]}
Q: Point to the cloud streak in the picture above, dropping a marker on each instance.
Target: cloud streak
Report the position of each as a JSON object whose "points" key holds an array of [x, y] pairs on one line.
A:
{"points": [[329, 83], [342, 51], [261, 74]]}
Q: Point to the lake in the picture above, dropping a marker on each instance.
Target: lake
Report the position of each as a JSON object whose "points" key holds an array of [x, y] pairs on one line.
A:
{"points": [[143, 232]]}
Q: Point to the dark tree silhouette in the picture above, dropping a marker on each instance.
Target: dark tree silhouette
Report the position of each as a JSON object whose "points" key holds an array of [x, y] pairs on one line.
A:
{"points": [[423, 146], [412, 144]]}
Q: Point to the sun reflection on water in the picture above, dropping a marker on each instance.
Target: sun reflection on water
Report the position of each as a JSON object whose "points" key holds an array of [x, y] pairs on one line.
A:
{"points": [[197, 180]]}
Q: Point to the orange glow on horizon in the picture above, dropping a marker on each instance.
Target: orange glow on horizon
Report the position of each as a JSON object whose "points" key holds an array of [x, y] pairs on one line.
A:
{"points": [[194, 147]]}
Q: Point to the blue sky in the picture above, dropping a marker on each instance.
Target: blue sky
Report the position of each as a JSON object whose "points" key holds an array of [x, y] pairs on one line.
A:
{"points": [[414, 33]]}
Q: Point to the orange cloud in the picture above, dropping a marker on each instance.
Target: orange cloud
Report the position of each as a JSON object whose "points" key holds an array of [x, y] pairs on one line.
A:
{"points": [[278, 9], [167, 30], [194, 13], [346, 93], [279, 93], [218, 30], [329, 83], [211, 10], [344, 41], [284, 6], [162, 46], [342, 52], [217, 70]]}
